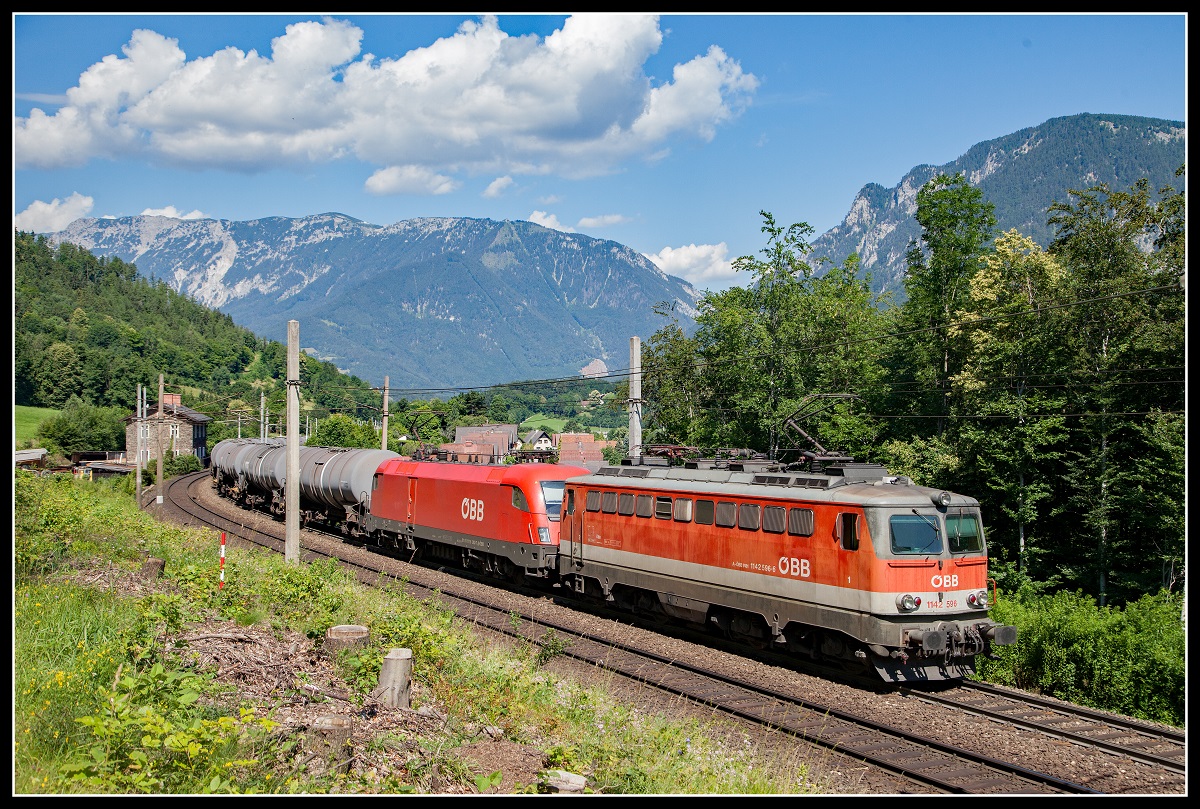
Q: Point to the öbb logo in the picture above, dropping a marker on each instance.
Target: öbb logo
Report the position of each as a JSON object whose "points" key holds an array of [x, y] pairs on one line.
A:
{"points": [[472, 509]]}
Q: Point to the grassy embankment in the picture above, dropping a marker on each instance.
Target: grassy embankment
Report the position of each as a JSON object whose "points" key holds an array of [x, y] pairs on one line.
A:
{"points": [[26, 421], [105, 704]]}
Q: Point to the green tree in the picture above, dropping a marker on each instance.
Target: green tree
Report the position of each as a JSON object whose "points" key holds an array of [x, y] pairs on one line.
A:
{"points": [[82, 427], [340, 430], [1129, 316], [956, 226]]}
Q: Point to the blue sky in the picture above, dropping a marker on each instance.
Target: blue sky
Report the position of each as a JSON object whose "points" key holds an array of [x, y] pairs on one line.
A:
{"points": [[667, 133]]}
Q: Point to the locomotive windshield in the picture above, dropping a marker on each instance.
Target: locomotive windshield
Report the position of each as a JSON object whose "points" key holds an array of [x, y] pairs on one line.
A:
{"points": [[962, 531], [915, 534], [552, 490]]}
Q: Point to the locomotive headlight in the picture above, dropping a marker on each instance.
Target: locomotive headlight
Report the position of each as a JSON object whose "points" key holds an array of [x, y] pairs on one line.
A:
{"points": [[907, 602], [978, 600], [942, 498], [544, 536]]}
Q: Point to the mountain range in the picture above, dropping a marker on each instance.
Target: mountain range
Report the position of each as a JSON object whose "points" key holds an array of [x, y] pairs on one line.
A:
{"points": [[1021, 174], [426, 302], [450, 302]]}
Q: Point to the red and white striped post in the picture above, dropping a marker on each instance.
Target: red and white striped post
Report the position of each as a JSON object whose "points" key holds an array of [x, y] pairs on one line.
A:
{"points": [[221, 583]]}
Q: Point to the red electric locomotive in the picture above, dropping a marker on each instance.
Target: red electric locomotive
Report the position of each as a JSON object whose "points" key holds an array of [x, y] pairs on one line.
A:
{"points": [[852, 565], [500, 520]]}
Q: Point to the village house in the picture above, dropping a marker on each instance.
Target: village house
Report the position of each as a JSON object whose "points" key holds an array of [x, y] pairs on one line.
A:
{"points": [[484, 443], [582, 449], [181, 431]]}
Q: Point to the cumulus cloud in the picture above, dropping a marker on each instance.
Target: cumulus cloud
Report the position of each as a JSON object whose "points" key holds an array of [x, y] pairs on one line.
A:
{"points": [[702, 265], [53, 216], [410, 180], [497, 187], [576, 103], [173, 212], [603, 221], [549, 220]]}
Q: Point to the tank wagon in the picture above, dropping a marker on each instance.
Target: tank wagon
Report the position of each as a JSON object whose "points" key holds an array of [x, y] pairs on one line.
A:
{"points": [[850, 565]]}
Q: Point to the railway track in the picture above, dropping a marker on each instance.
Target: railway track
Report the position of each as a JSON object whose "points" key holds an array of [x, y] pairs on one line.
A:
{"points": [[929, 764]]}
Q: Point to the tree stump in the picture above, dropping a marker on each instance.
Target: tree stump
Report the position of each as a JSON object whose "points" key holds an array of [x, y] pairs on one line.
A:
{"points": [[152, 568], [328, 741], [345, 636]]}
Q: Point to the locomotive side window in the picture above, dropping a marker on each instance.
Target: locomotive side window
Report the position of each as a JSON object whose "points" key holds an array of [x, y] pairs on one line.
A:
{"points": [[774, 518], [800, 522], [625, 504], [592, 501], [645, 505], [962, 530], [726, 514], [608, 503], [518, 500], [683, 509], [748, 516], [571, 501], [847, 529], [662, 508], [704, 512]]}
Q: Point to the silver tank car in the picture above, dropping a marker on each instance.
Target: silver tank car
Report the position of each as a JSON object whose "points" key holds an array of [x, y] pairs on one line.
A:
{"points": [[340, 478], [330, 477]]}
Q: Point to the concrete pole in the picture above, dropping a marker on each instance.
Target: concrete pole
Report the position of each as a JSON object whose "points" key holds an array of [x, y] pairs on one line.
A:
{"points": [[137, 421], [262, 416], [635, 397], [159, 482], [291, 484], [385, 411]]}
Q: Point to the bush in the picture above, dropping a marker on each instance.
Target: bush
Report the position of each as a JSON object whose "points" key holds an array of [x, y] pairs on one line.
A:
{"points": [[1130, 661], [181, 465]]}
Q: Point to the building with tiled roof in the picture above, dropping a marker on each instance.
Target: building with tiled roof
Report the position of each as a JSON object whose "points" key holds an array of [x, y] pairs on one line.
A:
{"points": [[582, 449]]}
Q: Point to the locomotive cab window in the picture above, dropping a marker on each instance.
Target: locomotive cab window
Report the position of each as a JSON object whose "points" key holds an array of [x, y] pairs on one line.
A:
{"points": [[704, 512], [847, 531], [571, 501], [645, 505], [625, 505], [662, 508], [592, 501], [915, 534], [963, 533], [519, 501], [552, 493]]}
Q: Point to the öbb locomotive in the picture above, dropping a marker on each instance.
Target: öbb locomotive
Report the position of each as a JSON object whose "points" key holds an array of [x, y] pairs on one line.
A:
{"points": [[849, 565]]}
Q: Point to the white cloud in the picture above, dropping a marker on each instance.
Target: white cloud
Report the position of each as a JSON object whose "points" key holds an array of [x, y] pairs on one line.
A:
{"points": [[603, 221], [702, 265], [410, 180], [549, 220], [497, 187], [173, 212], [577, 103], [51, 217]]}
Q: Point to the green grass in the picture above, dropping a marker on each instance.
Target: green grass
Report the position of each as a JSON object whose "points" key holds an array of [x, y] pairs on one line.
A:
{"points": [[550, 424], [26, 421], [105, 704]]}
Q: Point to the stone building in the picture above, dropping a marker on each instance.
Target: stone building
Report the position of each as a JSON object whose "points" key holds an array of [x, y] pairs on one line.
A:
{"points": [[181, 431]]}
